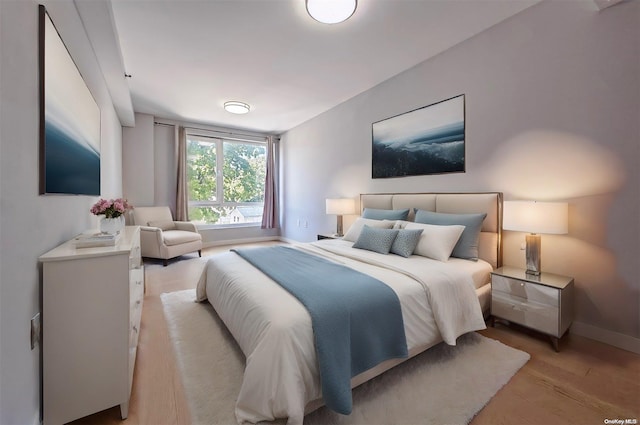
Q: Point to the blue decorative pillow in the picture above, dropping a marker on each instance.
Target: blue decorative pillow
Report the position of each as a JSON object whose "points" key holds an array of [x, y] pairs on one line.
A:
{"points": [[467, 246], [375, 214], [376, 239], [406, 241]]}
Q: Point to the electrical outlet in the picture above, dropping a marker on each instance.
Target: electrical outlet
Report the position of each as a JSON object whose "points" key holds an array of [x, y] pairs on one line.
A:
{"points": [[35, 330]]}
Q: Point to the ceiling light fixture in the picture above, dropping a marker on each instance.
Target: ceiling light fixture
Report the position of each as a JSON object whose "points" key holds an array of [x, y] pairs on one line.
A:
{"points": [[331, 11], [236, 107]]}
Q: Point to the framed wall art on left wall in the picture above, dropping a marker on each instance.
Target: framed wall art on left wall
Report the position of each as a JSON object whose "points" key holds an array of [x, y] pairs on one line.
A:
{"points": [[69, 119]]}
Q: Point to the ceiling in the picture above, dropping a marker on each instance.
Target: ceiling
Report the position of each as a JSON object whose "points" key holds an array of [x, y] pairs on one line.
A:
{"points": [[186, 58]]}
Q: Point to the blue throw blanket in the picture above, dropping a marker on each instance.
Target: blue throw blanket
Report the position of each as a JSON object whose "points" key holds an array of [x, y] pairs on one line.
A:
{"points": [[357, 320]]}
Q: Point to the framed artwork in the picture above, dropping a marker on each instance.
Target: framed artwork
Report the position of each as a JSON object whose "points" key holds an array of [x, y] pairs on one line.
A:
{"points": [[428, 140], [69, 120]]}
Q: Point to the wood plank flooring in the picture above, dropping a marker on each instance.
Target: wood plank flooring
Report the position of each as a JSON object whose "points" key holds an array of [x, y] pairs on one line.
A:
{"points": [[585, 383]]}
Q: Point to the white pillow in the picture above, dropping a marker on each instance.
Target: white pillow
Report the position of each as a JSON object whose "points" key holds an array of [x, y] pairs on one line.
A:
{"points": [[354, 231], [436, 242], [401, 224]]}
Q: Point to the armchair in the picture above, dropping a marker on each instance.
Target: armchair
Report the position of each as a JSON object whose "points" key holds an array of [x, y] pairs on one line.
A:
{"points": [[162, 237]]}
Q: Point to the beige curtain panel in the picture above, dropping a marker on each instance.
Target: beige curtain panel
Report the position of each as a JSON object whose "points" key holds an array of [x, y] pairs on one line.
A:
{"points": [[182, 195], [270, 212]]}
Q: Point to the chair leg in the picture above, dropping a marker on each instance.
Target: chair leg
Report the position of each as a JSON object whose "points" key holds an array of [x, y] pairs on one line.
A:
{"points": [[199, 253], [165, 262]]}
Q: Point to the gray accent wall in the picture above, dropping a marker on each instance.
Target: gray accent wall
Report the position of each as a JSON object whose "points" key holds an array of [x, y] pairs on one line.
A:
{"points": [[31, 224], [552, 113]]}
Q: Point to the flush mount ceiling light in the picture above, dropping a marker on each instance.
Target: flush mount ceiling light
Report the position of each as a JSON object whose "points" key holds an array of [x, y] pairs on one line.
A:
{"points": [[331, 11], [236, 107]]}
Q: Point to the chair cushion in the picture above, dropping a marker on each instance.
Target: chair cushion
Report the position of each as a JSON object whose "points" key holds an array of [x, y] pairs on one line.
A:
{"points": [[163, 224], [178, 237], [143, 215]]}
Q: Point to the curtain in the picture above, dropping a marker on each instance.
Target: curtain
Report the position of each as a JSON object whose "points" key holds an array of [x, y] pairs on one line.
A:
{"points": [[270, 211], [182, 197]]}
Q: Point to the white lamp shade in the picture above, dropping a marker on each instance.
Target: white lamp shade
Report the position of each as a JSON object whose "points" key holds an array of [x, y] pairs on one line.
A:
{"points": [[340, 206], [331, 11], [536, 217]]}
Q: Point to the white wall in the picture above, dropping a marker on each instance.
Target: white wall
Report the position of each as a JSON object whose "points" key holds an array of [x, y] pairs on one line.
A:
{"points": [[138, 162], [149, 163], [165, 165], [31, 224], [552, 107]]}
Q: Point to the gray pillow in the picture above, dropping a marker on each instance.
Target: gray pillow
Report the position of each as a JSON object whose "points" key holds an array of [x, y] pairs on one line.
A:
{"points": [[406, 241], [376, 239], [375, 214], [467, 246]]}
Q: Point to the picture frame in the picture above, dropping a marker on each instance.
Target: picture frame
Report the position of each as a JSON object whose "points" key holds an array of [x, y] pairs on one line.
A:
{"points": [[69, 151], [424, 141]]}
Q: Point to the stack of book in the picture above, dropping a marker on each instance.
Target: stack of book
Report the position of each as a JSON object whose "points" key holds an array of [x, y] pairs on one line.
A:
{"points": [[91, 240]]}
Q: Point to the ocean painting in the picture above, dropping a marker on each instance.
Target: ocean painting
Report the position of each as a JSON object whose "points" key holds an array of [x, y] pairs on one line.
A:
{"points": [[429, 140], [70, 156]]}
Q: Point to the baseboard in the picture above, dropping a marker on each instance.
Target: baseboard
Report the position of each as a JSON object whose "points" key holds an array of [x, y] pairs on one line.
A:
{"points": [[616, 339], [239, 241], [287, 240]]}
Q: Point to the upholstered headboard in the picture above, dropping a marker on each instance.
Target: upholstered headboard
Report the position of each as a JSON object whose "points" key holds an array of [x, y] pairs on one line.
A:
{"points": [[490, 243]]}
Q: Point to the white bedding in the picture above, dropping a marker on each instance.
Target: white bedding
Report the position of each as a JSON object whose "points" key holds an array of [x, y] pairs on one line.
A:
{"points": [[273, 329]]}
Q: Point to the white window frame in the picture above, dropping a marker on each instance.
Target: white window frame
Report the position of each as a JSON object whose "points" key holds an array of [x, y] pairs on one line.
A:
{"points": [[220, 202]]}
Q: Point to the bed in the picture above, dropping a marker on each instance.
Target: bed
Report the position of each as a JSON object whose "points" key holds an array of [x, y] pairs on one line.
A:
{"points": [[439, 300]]}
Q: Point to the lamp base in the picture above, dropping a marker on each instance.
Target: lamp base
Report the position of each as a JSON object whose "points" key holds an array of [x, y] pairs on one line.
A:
{"points": [[533, 254], [339, 226]]}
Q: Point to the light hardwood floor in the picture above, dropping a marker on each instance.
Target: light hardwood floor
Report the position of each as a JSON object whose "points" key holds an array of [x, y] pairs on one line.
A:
{"points": [[585, 383]]}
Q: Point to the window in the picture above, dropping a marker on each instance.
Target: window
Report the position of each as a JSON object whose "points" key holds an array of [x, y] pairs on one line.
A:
{"points": [[226, 180]]}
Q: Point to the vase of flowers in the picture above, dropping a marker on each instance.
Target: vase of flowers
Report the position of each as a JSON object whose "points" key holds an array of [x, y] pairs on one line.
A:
{"points": [[113, 221]]}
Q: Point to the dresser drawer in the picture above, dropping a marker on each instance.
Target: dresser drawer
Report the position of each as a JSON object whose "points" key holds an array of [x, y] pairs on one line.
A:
{"points": [[525, 290], [135, 257], [136, 284], [531, 314]]}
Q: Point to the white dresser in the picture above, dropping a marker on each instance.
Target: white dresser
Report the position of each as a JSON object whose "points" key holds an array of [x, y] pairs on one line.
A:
{"points": [[543, 303], [91, 308]]}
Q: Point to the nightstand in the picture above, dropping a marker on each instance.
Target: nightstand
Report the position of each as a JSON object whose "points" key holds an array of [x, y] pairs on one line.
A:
{"points": [[543, 303], [328, 236]]}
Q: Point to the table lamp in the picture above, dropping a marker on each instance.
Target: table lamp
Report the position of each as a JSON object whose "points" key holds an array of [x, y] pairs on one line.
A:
{"points": [[340, 207], [535, 218]]}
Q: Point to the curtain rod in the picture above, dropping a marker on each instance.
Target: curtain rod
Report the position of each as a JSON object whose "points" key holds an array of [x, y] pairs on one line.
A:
{"points": [[226, 132], [230, 133]]}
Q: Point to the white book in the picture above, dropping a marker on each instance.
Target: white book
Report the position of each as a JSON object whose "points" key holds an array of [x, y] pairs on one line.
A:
{"points": [[90, 240]]}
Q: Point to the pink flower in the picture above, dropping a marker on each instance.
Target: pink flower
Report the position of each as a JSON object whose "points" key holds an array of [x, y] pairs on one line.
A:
{"points": [[111, 209]]}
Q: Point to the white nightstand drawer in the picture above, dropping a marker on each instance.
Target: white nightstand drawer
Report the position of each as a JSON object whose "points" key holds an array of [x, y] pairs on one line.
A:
{"points": [[531, 314], [525, 290]]}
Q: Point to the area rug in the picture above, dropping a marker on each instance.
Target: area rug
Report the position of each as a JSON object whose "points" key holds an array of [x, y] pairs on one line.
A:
{"points": [[444, 385]]}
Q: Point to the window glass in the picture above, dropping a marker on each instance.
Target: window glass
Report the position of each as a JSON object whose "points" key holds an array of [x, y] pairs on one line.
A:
{"points": [[201, 169], [225, 180]]}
